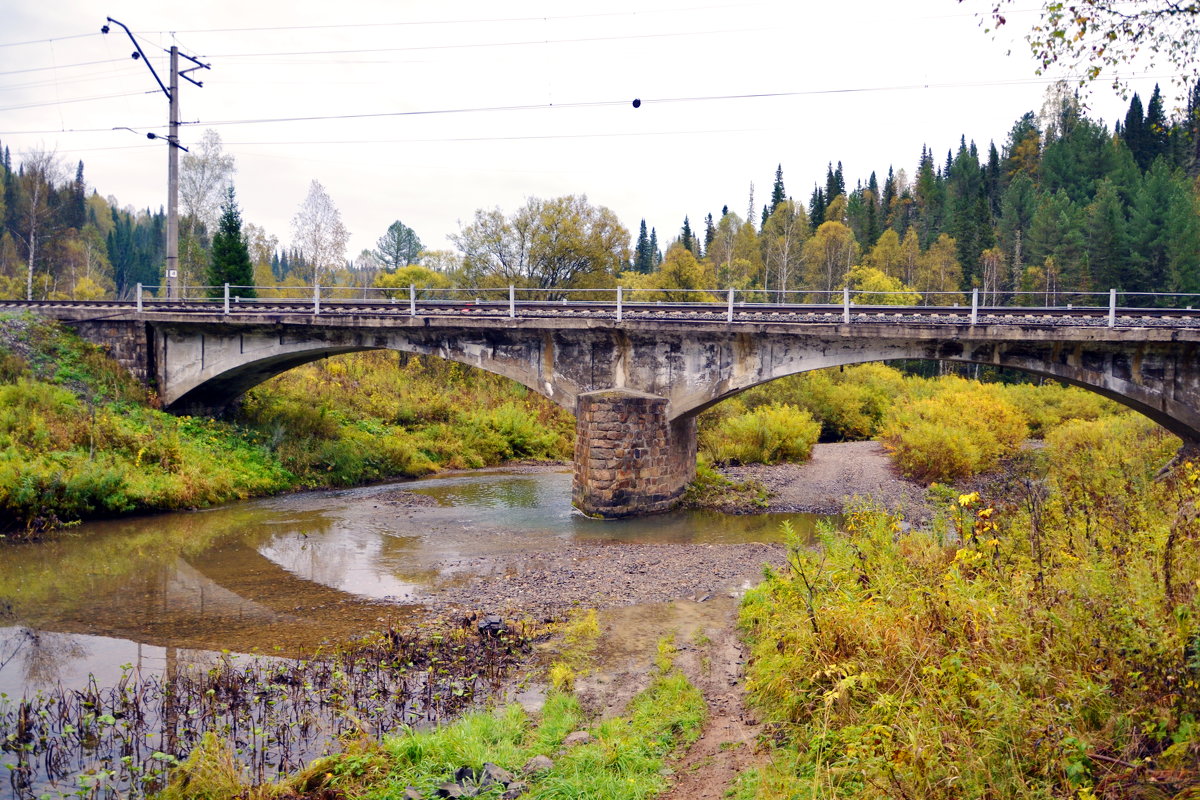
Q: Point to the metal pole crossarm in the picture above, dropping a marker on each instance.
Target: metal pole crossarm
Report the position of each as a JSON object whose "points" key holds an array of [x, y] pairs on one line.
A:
{"points": [[199, 65], [139, 54]]}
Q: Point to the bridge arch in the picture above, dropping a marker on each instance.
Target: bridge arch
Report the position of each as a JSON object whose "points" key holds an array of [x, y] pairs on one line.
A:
{"points": [[213, 371], [1171, 415]]}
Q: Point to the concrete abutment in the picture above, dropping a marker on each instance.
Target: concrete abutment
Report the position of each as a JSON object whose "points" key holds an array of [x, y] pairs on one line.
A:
{"points": [[630, 457]]}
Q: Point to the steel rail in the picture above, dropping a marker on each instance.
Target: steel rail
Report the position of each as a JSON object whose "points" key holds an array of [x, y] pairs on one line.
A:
{"points": [[600, 309]]}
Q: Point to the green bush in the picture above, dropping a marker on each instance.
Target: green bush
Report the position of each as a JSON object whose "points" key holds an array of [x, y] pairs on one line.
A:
{"points": [[766, 435]]}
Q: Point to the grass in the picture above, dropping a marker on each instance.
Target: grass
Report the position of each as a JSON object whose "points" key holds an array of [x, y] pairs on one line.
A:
{"points": [[624, 761]]}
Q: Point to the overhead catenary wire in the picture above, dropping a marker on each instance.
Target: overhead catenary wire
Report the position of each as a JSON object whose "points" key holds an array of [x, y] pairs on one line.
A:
{"points": [[474, 21], [521, 43], [73, 100], [1046, 80], [62, 66], [51, 39]]}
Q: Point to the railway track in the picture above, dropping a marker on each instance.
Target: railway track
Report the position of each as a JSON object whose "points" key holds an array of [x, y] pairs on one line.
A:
{"points": [[681, 312]]}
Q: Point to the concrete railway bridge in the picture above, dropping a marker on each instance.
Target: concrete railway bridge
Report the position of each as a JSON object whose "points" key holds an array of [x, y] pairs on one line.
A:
{"points": [[635, 381]]}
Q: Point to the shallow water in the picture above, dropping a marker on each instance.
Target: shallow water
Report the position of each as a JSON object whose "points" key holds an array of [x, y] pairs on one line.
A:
{"points": [[120, 609], [282, 575]]}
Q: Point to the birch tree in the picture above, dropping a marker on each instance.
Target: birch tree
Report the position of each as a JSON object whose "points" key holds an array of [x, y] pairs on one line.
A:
{"points": [[40, 170], [318, 233]]}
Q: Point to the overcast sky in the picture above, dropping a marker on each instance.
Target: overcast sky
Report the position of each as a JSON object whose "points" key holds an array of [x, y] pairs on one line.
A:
{"points": [[451, 107]]}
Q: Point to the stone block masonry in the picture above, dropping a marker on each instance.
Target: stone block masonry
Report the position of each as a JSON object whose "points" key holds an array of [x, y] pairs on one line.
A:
{"points": [[630, 457], [128, 342]]}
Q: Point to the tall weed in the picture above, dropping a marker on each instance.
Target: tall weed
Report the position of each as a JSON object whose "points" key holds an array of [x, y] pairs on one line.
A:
{"points": [[1014, 656], [959, 430]]}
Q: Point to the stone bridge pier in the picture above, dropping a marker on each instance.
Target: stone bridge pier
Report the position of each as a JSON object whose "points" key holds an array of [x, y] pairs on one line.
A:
{"points": [[630, 457]]}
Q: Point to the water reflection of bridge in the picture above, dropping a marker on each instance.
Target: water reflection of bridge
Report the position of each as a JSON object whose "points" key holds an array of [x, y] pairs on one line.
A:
{"points": [[230, 597]]}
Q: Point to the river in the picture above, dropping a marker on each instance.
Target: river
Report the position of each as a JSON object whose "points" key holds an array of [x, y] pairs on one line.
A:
{"points": [[280, 577]]}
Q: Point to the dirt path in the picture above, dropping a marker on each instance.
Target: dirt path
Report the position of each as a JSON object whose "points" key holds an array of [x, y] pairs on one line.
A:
{"points": [[727, 745], [711, 655], [687, 592]]}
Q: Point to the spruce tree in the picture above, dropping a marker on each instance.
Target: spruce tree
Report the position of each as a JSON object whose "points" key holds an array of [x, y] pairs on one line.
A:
{"points": [[1156, 127], [778, 195], [889, 199], [77, 213], [816, 207], [230, 261], [1134, 131], [686, 238], [643, 258], [710, 233]]}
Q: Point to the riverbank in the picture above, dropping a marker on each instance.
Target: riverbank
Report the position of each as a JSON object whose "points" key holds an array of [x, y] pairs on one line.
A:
{"points": [[837, 475]]}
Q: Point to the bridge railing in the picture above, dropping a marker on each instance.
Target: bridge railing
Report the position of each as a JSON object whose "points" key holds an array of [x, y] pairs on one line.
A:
{"points": [[622, 300]]}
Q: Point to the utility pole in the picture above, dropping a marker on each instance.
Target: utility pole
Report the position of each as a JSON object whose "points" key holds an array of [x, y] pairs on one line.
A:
{"points": [[173, 147], [173, 180]]}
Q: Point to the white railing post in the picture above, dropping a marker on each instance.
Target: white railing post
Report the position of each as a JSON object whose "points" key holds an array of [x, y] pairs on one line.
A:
{"points": [[974, 306], [316, 298], [1112, 308], [729, 315], [512, 301], [846, 305], [139, 298], [227, 298], [412, 299], [618, 304]]}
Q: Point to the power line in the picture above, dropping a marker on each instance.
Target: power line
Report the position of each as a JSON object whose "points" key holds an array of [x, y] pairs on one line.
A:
{"points": [[73, 100], [482, 20], [531, 137], [63, 66], [71, 130], [53, 39], [627, 37], [376, 114], [595, 104], [604, 103], [43, 82]]}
